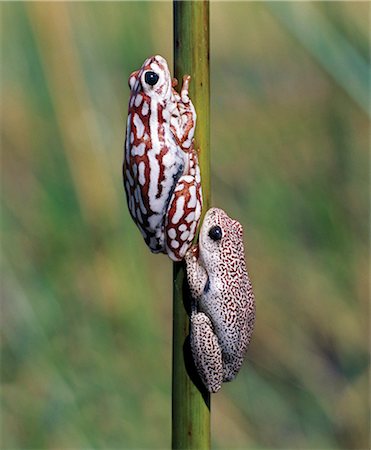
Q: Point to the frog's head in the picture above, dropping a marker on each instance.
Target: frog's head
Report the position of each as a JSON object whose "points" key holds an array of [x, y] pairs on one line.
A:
{"points": [[220, 237], [153, 78]]}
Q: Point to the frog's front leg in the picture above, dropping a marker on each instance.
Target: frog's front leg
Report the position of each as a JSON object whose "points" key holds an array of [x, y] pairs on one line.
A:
{"points": [[184, 123], [197, 276], [206, 352]]}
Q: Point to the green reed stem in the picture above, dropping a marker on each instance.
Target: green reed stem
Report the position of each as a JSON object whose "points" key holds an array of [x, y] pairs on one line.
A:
{"points": [[190, 401]]}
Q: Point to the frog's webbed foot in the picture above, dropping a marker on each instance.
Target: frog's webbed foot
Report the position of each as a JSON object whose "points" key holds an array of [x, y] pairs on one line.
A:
{"points": [[206, 352], [183, 216]]}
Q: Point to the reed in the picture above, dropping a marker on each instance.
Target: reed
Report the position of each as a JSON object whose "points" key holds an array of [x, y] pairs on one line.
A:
{"points": [[190, 400]]}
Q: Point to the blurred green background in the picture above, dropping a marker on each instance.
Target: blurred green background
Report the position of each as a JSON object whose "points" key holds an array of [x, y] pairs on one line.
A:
{"points": [[86, 311]]}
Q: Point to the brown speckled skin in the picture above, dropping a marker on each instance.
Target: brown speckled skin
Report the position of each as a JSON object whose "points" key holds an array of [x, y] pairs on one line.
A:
{"points": [[223, 312]]}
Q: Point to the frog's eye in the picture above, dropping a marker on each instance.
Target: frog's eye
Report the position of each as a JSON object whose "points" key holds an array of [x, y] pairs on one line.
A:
{"points": [[151, 78], [215, 233]]}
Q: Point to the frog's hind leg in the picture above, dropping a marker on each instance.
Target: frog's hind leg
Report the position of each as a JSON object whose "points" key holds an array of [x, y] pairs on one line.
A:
{"points": [[231, 366], [206, 352], [183, 216]]}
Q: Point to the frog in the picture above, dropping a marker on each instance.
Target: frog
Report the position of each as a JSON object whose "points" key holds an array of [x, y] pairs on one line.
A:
{"points": [[161, 172], [222, 314]]}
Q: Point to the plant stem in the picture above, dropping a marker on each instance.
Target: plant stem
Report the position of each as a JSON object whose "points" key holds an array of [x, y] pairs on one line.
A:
{"points": [[190, 400]]}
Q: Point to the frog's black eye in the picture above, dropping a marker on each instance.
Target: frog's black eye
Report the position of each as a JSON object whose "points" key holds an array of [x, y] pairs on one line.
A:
{"points": [[151, 78], [215, 233]]}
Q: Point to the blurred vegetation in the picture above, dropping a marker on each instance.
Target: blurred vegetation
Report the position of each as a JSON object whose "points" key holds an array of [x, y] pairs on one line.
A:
{"points": [[86, 309]]}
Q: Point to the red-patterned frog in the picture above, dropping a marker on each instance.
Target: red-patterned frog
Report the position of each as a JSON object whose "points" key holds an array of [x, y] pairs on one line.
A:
{"points": [[223, 305], [161, 172]]}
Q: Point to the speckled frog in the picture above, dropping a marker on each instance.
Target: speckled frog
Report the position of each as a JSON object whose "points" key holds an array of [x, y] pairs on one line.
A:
{"points": [[161, 172], [223, 309]]}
